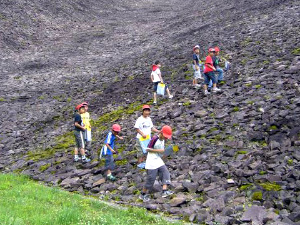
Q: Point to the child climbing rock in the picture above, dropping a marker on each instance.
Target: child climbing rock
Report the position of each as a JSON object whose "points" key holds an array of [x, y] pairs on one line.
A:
{"points": [[108, 150], [220, 62], [79, 129], [209, 74], [196, 66], [155, 166], [143, 126], [156, 79]]}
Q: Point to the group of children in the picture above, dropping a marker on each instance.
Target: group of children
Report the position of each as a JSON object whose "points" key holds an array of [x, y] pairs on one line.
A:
{"points": [[210, 68], [149, 149]]}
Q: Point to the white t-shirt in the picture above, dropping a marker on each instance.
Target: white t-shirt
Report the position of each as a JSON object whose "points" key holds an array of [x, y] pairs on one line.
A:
{"points": [[144, 124], [154, 160], [155, 75]]}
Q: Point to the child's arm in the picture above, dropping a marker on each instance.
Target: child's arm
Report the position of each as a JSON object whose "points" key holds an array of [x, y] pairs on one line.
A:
{"points": [[110, 148], [160, 77], [152, 78], [119, 137], [155, 150], [155, 130], [196, 66], [78, 125], [141, 133], [210, 66]]}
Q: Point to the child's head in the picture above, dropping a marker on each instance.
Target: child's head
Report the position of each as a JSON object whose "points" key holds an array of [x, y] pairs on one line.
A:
{"points": [[157, 63], [146, 110], [82, 109], [217, 50], [86, 105], [211, 51], [165, 133], [196, 49], [116, 128]]}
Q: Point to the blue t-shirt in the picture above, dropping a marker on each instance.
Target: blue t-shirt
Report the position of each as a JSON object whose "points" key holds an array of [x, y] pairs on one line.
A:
{"points": [[196, 57], [110, 139]]}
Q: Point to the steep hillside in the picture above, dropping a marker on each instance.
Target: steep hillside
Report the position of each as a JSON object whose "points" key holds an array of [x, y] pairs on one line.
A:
{"points": [[55, 55]]}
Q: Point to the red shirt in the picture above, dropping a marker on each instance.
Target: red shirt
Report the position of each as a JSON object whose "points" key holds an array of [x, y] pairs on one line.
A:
{"points": [[210, 62]]}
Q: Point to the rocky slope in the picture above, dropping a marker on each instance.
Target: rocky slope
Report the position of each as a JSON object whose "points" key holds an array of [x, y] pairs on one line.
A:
{"points": [[55, 55]]}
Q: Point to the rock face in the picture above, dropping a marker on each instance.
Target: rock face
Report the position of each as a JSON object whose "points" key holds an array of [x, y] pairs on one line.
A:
{"points": [[237, 155]]}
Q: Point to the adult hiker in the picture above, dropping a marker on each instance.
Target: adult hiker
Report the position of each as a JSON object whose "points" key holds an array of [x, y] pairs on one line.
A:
{"points": [[88, 129], [209, 72], [108, 150], [143, 126], [155, 166], [157, 79], [79, 129], [196, 66]]}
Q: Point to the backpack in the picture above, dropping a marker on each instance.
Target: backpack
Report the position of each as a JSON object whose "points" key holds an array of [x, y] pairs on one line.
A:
{"points": [[153, 141]]}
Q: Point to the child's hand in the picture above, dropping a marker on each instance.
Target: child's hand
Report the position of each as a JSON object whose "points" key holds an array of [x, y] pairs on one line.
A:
{"points": [[144, 136], [197, 68], [121, 138]]}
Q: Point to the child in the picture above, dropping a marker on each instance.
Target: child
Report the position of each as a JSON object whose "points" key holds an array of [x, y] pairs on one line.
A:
{"points": [[196, 66], [88, 131], [156, 79], [78, 133], [209, 72], [108, 150], [218, 63], [155, 165], [143, 126]]}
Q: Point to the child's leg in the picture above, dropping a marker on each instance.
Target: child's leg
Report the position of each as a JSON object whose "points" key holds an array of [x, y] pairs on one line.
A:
{"points": [[151, 176], [154, 97], [168, 91], [76, 151], [164, 176]]}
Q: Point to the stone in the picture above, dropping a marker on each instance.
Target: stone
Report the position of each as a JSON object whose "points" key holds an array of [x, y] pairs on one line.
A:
{"points": [[177, 201], [255, 214], [99, 182]]}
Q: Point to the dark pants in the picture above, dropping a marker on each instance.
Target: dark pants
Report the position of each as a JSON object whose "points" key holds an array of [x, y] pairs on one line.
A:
{"points": [[162, 172]]}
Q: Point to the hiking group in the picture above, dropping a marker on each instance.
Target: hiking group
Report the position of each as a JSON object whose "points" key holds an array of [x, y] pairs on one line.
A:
{"points": [[150, 150]]}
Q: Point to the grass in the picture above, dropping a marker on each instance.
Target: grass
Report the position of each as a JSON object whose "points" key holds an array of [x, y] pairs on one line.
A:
{"points": [[63, 142], [26, 202]]}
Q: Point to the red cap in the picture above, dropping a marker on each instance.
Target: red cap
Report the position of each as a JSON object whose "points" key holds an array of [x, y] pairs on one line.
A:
{"points": [[167, 131], [79, 106], [211, 50], [217, 49], [146, 107], [116, 127], [85, 103]]}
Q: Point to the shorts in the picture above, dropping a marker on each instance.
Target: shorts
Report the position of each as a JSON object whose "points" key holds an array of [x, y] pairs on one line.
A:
{"points": [[79, 139], [155, 84], [88, 135], [109, 162], [209, 76], [197, 73], [162, 172], [139, 149]]}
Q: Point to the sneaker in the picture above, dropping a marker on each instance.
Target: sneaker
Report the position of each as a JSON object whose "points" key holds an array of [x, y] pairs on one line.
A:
{"points": [[76, 159], [166, 194], [214, 90], [85, 160], [206, 92], [154, 103], [171, 96], [197, 86], [145, 198], [111, 177]]}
